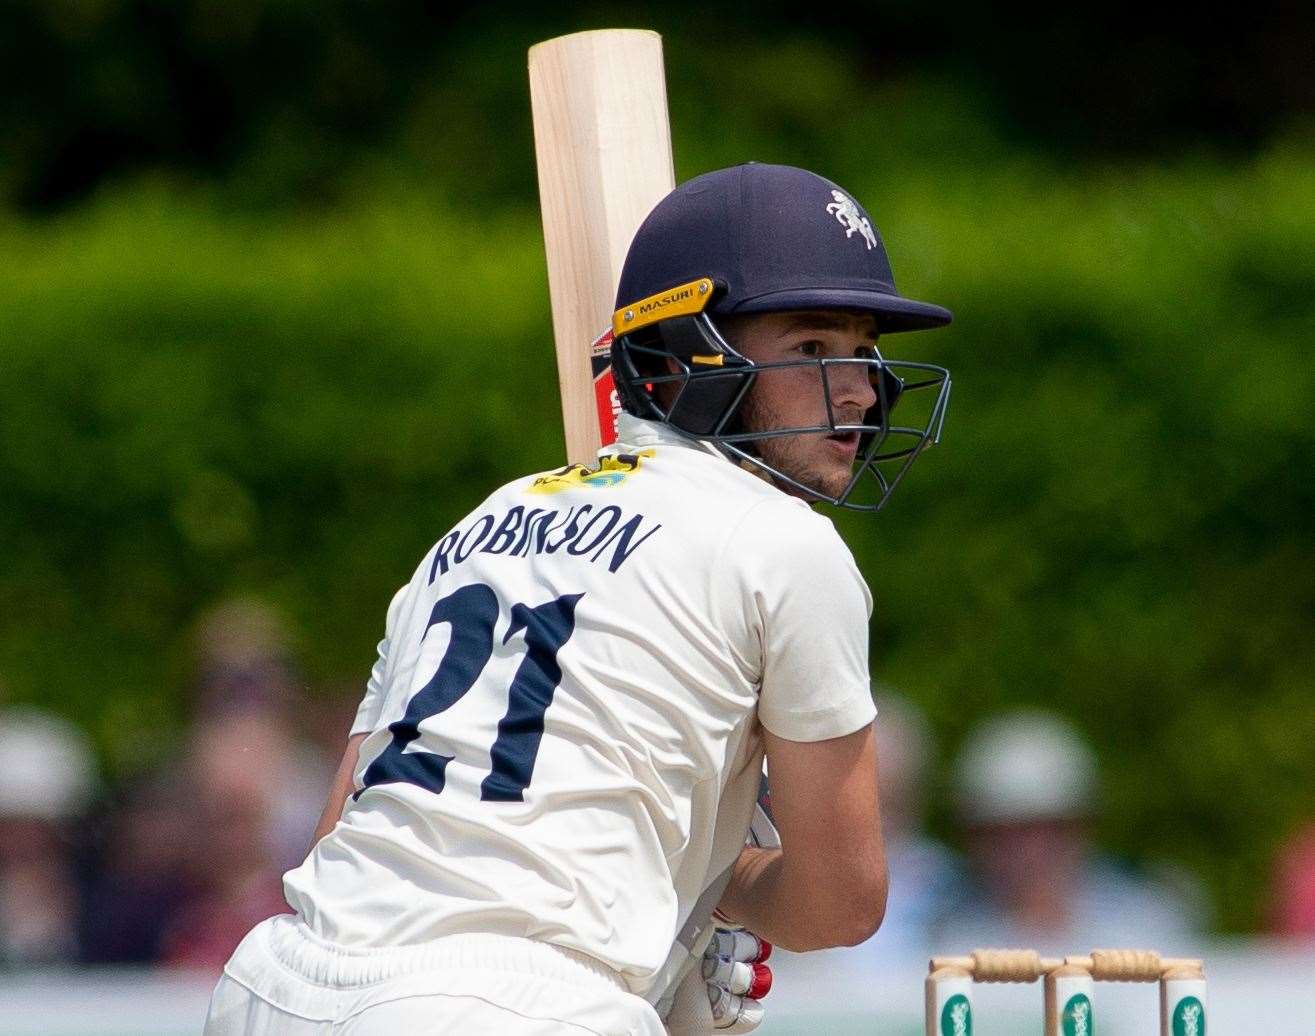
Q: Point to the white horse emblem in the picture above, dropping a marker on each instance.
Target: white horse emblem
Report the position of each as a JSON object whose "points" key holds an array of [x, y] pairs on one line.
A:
{"points": [[848, 216]]}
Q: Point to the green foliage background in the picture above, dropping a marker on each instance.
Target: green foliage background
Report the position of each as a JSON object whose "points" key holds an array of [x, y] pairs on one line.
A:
{"points": [[289, 374]]}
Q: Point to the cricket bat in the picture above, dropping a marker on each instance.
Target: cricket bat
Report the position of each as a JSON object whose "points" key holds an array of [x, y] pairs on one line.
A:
{"points": [[602, 143]]}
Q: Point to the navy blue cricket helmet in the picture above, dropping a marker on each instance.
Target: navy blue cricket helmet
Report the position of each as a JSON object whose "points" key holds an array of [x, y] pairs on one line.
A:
{"points": [[761, 238]]}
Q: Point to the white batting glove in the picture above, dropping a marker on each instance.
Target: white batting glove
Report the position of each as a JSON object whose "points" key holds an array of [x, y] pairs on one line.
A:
{"points": [[719, 992], [737, 978], [732, 964], [721, 995]]}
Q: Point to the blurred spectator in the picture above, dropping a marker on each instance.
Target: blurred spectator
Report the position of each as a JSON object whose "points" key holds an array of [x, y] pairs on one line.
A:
{"points": [[1294, 886], [233, 772], [1026, 790], [138, 879], [256, 784], [922, 870], [194, 856], [49, 777], [253, 737], [243, 653]]}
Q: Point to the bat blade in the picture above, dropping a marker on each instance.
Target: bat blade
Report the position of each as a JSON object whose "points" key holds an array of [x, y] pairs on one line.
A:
{"points": [[602, 144]]}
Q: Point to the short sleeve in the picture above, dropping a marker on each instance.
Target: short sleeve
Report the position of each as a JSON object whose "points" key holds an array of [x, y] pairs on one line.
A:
{"points": [[809, 607], [368, 713]]}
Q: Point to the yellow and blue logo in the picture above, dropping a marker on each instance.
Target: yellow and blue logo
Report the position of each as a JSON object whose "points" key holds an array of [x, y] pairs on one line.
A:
{"points": [[611, 471]]}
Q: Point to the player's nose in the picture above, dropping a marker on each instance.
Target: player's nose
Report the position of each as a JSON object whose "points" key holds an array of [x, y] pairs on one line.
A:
{"points": [[851, 385]]}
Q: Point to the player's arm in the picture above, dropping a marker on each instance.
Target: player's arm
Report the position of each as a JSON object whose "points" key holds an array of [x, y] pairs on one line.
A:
{"points": [[826, 885], [367, 716], [341, 788]]}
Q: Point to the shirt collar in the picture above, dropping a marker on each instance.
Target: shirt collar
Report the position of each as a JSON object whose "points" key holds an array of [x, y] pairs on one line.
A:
{"points": [[636, 431]]}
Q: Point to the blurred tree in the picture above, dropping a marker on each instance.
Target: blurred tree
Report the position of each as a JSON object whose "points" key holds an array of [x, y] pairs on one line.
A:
{"points": [[292, 88]]}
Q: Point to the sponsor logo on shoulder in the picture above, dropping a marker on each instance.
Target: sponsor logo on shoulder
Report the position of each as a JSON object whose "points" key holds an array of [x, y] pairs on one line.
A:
{"points": [[611, 471]]}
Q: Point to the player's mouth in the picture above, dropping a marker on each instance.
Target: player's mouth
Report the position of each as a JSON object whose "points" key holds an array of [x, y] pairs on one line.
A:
{"points": [[846, 442]]}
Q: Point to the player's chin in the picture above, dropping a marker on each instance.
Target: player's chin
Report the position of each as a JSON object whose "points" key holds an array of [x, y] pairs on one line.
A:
{"points": [[833, 487], [829, 479], [820, 465], [836, 465]]}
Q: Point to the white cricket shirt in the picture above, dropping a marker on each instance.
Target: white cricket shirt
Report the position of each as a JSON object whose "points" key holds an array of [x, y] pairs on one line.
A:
{"points": [[564, 714]]}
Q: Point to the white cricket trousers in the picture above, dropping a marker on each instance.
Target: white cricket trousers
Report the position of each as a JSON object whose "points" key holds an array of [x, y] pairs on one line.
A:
{"points": [[283, 980]]}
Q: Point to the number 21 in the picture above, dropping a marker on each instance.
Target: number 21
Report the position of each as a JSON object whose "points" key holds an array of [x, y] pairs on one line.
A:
{"points": [[472, 611]]}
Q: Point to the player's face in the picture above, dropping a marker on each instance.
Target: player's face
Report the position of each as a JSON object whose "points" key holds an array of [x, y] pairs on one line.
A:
{"points": [[793, 397]]}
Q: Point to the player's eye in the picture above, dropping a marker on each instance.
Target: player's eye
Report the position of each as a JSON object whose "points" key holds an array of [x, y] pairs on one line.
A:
{"points": [[810, 348], [866, 352]]}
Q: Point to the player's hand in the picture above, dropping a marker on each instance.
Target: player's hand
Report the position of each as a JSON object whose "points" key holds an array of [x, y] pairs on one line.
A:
{"points": [[720, 996], [737, 978]]}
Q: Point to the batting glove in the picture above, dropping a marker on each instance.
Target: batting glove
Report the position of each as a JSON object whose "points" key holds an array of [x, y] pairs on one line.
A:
{"points": [[737, 978]]}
